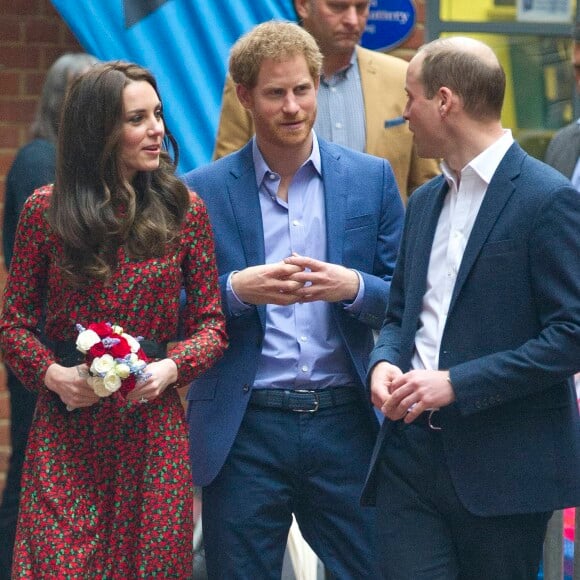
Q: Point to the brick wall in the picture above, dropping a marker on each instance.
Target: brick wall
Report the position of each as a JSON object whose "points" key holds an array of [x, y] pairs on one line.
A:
{"points": [[32, 36]]}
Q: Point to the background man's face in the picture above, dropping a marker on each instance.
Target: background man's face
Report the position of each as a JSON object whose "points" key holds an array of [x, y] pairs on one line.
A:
{"points": [[337, 25]]}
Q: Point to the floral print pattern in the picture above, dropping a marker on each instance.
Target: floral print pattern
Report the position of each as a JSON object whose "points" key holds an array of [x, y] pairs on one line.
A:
{"points": [[107, 490]]}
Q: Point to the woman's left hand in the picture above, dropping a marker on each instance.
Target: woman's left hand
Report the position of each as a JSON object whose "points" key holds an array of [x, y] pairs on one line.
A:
{"points": [[162, 374]]}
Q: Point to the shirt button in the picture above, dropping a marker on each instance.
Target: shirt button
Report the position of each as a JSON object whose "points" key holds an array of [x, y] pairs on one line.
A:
{"points": [[295, 222], [304, 368], [338, 125], [246, 388], [303, 339], [271, 176], [333, 89]]}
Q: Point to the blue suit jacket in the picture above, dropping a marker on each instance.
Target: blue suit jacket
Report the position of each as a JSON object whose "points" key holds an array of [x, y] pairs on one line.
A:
{"points": [[364, 218], [511, 341]]}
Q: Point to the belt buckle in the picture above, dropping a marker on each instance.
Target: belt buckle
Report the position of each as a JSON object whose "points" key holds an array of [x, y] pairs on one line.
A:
{"points": [[316, 401], [430, 423]]}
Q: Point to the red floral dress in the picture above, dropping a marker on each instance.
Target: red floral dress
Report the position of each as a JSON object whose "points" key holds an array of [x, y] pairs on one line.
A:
{"points": [[107, 490]]}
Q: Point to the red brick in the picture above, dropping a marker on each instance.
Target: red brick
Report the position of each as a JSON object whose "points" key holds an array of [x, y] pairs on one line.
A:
{"points": [[10, 84], [10, 137], [33, 83], [416, 39], [10, 30], [420, 11], [6, 160], [70, 39], [18, 111], [19, 7], [21, 57], [42, 30], [49, 9]]}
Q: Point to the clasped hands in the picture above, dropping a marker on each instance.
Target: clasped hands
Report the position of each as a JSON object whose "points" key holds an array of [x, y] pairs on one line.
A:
{"points": [[294, 280], [405, 396], [71, 385]]}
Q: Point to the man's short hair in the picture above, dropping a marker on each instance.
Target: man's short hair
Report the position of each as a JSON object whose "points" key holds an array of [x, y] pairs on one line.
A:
{"points": [[277, 40], [478, 80]]}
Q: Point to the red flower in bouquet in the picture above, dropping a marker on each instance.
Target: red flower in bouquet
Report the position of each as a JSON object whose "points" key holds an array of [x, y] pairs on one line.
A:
{"points": [[116, 360]]}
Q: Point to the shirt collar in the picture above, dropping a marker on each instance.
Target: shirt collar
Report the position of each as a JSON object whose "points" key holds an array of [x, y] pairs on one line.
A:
{"points": [[487, 162], [261, 167], [343, 72]]}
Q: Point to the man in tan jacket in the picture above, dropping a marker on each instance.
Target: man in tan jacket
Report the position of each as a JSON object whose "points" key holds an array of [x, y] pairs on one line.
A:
{"points": [[361, 97]]}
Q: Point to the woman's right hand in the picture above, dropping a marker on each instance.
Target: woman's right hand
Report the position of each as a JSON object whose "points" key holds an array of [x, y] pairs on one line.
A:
{"points": [[70, 384]]}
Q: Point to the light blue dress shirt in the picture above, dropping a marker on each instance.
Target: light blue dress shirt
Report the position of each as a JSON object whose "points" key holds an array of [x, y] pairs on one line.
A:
{"points": [[341, 112], [302, 345]]}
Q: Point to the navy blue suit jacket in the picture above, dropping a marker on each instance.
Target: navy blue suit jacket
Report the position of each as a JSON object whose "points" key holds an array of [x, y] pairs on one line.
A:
{"points": [[364, 217], [511, 341]]}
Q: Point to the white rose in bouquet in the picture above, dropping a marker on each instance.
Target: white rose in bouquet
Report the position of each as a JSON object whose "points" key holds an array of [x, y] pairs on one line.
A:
{"points": [[112, 381], [102, 365], [133, 342], [98, 386], [86, 339], [123, 370]]}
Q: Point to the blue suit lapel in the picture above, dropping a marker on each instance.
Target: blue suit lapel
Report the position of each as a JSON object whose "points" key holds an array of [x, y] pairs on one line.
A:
{"points": [[244, 197], [426, 230], [420, 248], [245, 201], [335, 199], [498, 193]]}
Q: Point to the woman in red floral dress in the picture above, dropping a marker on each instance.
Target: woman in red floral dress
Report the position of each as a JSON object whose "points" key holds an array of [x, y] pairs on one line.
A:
{"points": [[107, 489]]}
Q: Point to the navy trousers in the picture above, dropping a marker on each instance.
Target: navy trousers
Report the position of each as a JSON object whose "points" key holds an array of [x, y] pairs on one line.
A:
{"points": [[425, 533], [312, 465]]}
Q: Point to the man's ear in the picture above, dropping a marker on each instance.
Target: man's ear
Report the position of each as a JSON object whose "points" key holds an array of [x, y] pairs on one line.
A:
{"points": [[244, 96], [445, 97], [301, 7]]}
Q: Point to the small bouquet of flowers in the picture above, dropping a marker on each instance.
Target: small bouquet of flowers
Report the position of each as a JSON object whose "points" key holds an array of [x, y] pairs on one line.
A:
{"points": [[115, 359]]}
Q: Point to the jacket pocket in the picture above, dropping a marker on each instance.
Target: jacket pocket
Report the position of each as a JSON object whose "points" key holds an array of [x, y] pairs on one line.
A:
{"points": [[360, 221], [497, 248], [202, 389]]}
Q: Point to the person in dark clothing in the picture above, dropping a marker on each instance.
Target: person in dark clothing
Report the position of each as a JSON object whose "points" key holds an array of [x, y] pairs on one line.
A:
{"points": [[33, 167]]}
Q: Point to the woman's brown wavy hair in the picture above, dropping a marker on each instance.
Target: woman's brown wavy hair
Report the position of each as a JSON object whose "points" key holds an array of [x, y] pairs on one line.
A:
{"points": [[94, 209]]}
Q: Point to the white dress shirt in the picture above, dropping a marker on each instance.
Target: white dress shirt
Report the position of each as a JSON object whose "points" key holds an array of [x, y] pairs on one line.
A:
{"points": [[459, 212]]}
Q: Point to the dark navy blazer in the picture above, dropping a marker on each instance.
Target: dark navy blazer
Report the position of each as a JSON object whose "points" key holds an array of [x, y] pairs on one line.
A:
{"points": [[364, 217], [511, 341]]}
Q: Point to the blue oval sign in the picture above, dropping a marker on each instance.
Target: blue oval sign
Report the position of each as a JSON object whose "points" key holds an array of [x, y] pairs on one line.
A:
{"points": [[389, 23]]}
